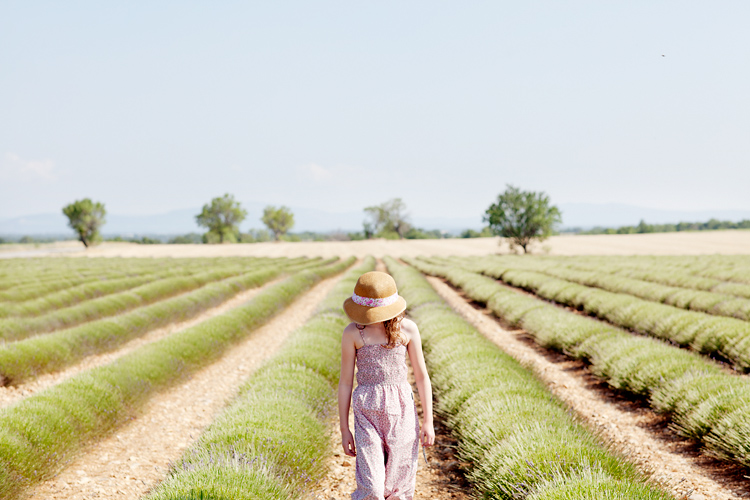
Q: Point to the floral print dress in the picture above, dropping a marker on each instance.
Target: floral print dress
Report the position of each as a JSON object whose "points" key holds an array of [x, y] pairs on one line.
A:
{"points": [[386, 427]]}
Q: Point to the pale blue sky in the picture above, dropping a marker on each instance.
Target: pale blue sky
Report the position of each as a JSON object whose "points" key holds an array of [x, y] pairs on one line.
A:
{"points": [[154, 106]]}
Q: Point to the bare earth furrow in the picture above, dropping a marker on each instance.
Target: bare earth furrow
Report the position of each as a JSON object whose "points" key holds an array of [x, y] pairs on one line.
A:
{"points": [[684, 474], [11, 394], [130, 462]]}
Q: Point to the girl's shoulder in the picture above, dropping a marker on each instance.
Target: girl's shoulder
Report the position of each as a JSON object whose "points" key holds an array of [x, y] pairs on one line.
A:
{"points": [[409, 327], [350, 329], [351, 334], [408, 324]]}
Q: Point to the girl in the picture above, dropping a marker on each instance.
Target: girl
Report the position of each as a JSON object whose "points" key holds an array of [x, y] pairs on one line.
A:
{"points": [[385, 418]]}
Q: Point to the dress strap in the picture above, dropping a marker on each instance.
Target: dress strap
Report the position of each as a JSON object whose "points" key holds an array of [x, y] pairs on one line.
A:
{"points": [[361, 329]]}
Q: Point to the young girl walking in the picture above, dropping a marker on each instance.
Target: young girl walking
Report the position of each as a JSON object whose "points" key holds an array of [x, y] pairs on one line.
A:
{"points": [[386, 427]]}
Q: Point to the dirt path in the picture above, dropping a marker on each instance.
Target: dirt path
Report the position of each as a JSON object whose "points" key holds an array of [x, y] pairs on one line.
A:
{"points": [[629, 426], [135, 458], [12, 394]]}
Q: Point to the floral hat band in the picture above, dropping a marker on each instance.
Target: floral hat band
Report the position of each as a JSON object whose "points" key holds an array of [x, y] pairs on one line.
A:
{"points": [[368, 302]]}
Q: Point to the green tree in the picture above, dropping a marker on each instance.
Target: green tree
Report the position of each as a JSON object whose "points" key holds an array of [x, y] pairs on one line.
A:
{"points": [[221, 218], [85, 217], [368, 230], [278, 220], [470, 233], [644, 228], [255, 236], [185, 239], [522, 216], [388, 219], [415, 233]]}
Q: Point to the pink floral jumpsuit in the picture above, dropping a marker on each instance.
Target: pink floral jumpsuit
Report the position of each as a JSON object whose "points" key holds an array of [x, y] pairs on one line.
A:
{"points": [[386, 427]]}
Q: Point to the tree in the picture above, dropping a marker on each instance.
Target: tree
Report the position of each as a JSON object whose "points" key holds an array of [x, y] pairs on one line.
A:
{"points": [[644, 228], [388, 219], [255, 236], [470, 233], [85, 217], [522, 216], [278, 220], [186, 239], [221, 218], [368, 231], [415, 233]]}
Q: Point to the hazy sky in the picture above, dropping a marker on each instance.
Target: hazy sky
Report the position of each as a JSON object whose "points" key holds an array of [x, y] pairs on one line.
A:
{"points": [[154, 106]]}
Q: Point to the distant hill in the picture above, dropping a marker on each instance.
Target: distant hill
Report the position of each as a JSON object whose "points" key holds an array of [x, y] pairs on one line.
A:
{"points": [[580, 215]]}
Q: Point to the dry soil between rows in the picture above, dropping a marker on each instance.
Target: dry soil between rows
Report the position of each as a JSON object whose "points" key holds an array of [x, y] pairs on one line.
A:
{"points": [[136, 457], [633, 433], [13, 394]]}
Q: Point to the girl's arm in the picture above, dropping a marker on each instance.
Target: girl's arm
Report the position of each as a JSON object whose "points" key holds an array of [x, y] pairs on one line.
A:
{"points": [[346, 381], [424, 387]]}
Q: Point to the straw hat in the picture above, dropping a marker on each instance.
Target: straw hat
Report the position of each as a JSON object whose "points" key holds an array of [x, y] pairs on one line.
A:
{"points": [[375, 299]]}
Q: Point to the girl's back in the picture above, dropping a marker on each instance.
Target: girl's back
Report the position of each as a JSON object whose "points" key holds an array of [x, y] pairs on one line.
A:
{"points": [[379, 365], [385, 419]]}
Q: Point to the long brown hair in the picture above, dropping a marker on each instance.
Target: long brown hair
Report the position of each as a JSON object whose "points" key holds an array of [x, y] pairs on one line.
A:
{"points": [[393, 330]]}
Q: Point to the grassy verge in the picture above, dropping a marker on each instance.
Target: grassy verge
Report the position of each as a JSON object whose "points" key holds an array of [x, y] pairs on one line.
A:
{"points": [[726, 338], [79, 293], [26, 359], [711, 273], [733, 269], [25, 283], [19, 328], [521, 442], [704, 402], [685, 280], [707, 301], [103, 269], [272, 441], [98, 287], [20, 271], [39, 434], [662, 273]]}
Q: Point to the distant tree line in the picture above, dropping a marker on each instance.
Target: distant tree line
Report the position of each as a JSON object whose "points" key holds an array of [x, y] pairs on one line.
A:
{"points": [[643, 227], [519, 216], [26, 239], [251, 236], [223, 215]]}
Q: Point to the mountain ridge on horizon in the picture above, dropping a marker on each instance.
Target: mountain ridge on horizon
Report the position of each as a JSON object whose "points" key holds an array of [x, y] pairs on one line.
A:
{"points": [[174, 222]]}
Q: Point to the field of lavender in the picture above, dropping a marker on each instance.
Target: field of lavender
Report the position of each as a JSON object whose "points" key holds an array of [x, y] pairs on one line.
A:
{"points": [[90, 347]]}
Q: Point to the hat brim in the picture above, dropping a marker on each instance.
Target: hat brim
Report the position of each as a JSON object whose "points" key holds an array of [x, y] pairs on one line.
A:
{"points": [[364, 315]]}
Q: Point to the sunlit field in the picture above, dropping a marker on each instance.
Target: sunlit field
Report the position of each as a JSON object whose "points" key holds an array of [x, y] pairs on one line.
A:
{"points": [[93, 346]]}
